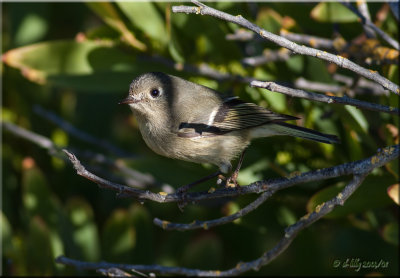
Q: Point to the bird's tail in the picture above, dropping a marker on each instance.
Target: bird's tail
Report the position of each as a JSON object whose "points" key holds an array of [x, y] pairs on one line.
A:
{"points": [[280, 128]]}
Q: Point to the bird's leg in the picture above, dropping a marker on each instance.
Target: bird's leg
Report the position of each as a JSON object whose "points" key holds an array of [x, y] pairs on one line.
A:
{"points": [[186, 187], [232, 181]]}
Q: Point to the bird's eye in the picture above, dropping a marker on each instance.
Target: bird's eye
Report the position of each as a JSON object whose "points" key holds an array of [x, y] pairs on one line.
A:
{"points": [[155, 93]]}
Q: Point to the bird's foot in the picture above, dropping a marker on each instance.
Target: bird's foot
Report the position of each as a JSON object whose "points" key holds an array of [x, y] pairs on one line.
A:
{"points": [[232, 181]]}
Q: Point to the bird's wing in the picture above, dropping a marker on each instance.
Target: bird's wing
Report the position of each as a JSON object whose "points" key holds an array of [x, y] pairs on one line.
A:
{"points": [[232, 115]]}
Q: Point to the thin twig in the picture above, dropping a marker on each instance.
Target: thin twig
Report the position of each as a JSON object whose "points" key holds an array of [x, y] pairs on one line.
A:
{"points": [[133, 177], [274, 87], [383, 156], [369, 23], [313, 41], [39, 140], [166, 225], [268, 56], [363, 86], [81, 135], [202, 69], [240, 35], [143, 268], [301, 49], [242, 267], [302, 83], [363, 9]]}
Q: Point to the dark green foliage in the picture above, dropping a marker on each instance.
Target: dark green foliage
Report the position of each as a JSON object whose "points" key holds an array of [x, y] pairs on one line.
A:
{"points": [[77, 61]]}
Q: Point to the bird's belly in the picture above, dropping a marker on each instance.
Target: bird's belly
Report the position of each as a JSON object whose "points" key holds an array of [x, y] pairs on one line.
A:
{"points": [[217, 150]]}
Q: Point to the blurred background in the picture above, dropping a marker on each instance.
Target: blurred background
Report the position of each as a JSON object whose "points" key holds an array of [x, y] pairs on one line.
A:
{"points": [[64, 68]]}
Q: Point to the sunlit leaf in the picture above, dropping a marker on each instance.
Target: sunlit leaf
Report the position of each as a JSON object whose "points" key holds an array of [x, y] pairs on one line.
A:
{"points": [[145, 16], [269, 20], [109, 14], [333, 12], [32, 29], [393, 192], [87, 66], [358, 116], [85, 234]]}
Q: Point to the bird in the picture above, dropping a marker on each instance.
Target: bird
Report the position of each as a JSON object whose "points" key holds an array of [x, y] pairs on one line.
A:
{"points": [[183, 120]]}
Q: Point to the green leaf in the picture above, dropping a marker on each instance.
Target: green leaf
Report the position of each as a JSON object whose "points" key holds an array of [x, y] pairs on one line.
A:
{"points": [[36, 194], [391, 233], [175, 50], [119, 237], [110, 15], [358, 116], [333, 12], [37, 251], [87, 66], [145, 16], [85, 234], [276, 101], [6, 234], [269, 19], [253, 172], [32, 28]]}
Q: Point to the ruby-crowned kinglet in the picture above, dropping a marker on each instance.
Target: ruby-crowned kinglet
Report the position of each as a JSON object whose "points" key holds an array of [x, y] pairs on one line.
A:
{"points": [[184, 120]]}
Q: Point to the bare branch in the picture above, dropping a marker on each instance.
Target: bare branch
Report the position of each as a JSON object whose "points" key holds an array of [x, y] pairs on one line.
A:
{"points": [[143, 268], [362, 87], [363, 10], [274, 87], [202, 69], [312, 41], [133, 177], [338, 60], [166, 225], [240, 35], [70, 129], [39, 140], [113, 272], [252, 206], [290, 234], [268, 56], [361, 166], [365, 21]]}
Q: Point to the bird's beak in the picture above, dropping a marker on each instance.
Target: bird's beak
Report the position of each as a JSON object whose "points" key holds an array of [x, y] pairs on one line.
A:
{"points": [[129, 100]]}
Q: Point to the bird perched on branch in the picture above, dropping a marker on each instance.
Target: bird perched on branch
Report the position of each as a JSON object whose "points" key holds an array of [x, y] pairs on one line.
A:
{"points": [[183, 120]]}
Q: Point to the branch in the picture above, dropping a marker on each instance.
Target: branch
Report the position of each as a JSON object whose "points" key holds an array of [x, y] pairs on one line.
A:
{"points": [[134, 178], [357, 170], [363, 10], [202, 69], [365, 21], [166, 225], [240, 35], [242, 267], [338, 60], [362, 86], [70, 129], [274, 87], [361, 166], [39, 140], [268, 56], [312, 41]]}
